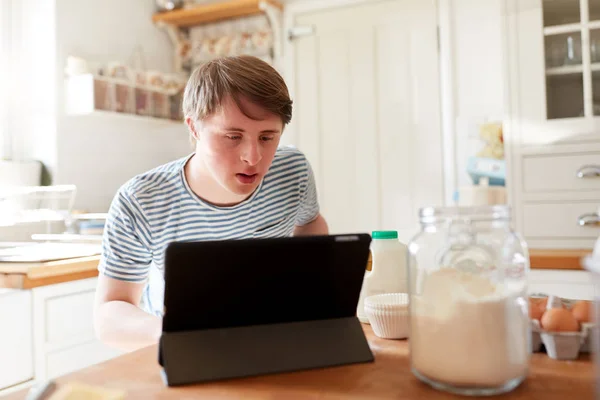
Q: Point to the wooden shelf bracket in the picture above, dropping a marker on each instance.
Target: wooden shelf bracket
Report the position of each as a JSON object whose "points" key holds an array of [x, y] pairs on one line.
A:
{"points": [[275, 17], [179, 42]]}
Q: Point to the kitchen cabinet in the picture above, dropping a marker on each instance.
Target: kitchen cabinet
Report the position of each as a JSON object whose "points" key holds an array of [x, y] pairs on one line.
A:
{"points": [[64, 337], [16, 345], [48, 332], [558, 67], [553, 133]]}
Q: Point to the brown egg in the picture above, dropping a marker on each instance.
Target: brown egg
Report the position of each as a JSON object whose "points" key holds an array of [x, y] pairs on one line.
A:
{"points": [[537, 307], [582, 311], [559, 320], [535, 310]]}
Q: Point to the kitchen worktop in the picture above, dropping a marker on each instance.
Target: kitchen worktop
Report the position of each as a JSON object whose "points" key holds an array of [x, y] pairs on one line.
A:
{"points": [[30, 275], [138, 373], [562, 259], [16, 275]]}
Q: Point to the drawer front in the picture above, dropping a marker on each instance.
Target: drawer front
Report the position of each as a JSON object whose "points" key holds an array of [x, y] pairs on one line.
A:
{"points": [[562, 172], [559, 220]]}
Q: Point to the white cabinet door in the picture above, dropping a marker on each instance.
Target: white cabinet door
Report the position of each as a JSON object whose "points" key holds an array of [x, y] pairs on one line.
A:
{"points": [[558, 70], [64, 331], [366, 93], [16, 345]]}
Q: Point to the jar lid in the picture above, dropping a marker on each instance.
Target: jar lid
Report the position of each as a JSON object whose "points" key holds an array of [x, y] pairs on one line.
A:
{"points": [[496, 212], [385, 235]]}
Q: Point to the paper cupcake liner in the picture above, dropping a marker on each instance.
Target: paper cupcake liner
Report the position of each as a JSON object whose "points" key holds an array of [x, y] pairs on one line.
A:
{"points": [[388, 315], [389, 325], [388, 301]]}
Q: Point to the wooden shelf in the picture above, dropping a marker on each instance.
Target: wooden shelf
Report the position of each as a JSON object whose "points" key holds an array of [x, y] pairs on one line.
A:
{"points": [[207, 13], [83, 94]]}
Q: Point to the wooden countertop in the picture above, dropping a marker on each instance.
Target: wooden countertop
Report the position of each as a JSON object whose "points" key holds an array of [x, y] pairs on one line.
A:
{"points": [[548, 259], [388, 377], [557, 259], [30, 275]]}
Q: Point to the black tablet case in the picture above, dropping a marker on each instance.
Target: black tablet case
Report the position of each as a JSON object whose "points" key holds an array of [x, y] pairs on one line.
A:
{"points": [[260, 306]]}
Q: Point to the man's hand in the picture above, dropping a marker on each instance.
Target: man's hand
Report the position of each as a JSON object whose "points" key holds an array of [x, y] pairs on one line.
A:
{"points": [[317, 226], [118, 320]]}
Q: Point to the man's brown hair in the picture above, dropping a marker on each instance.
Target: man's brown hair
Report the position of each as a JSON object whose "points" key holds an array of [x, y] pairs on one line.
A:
{"points": [[238, 77]]}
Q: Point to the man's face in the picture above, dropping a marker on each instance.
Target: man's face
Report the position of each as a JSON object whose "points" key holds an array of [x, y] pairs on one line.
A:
{"points": [[236, 150]]}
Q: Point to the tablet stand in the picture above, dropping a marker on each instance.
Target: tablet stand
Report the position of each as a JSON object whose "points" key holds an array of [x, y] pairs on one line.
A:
{"points": [[215, 354]]}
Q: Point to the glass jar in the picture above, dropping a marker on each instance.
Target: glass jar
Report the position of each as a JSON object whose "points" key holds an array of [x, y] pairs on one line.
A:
{"points": [[469, 314], [592, 263]]}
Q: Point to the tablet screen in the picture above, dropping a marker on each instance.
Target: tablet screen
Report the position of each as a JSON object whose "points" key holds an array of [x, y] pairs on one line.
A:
{"points": [[221, 284]]}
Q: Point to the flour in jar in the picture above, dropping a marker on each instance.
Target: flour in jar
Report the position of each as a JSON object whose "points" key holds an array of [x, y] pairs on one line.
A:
{"points": [[465, 330]]}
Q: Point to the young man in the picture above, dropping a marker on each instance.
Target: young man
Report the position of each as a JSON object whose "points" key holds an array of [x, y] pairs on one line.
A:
{"points": [[237, 184]]}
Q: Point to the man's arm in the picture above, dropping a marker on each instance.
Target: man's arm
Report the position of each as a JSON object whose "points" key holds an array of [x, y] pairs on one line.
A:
{"points": [[317, 226], [118, 320], [124, 268]]}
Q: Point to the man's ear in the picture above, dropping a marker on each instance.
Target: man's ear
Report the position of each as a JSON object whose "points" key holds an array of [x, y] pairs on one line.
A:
{"points": [[192, 127]]}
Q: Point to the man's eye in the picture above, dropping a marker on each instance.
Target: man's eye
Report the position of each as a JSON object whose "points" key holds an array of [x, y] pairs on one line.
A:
{"points": [[234, 137], [266, 138]]}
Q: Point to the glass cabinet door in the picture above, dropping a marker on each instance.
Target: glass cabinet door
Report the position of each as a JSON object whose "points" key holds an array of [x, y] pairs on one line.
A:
{"points": [[554, 70], [595, 61], [563, 58], [572, 58]]}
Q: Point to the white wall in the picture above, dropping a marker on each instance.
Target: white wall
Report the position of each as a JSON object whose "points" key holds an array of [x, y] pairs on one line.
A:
{"points": [[478, 59], [99, 153], [5, 70], [31, 102]]}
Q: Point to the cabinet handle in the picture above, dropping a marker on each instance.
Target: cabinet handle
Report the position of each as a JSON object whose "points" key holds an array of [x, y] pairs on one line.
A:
{"points": [[589, 220], [589, 171]]}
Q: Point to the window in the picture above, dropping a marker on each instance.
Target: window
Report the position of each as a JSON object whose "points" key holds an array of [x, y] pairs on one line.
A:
{"points": [[5, 73]]}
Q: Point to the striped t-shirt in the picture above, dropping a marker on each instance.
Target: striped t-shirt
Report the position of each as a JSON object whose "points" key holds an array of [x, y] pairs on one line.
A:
{"points": [[158, 207]]}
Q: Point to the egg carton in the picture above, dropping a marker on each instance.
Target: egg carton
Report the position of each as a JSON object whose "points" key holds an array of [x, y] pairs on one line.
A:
{"points": [[562, 345]]}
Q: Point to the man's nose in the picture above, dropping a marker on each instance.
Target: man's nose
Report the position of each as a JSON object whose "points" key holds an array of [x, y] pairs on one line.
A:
{"points": [[251, 153]]}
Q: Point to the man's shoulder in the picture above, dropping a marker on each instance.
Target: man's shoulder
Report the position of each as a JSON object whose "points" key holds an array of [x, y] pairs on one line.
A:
{"points": [[289, 164], [156, 180], [289, 155]]}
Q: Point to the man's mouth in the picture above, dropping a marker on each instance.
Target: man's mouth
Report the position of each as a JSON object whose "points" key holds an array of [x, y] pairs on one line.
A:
{"points": [[246, 178]]}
